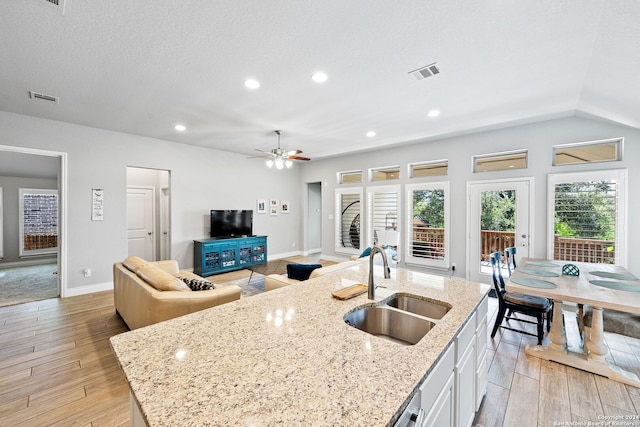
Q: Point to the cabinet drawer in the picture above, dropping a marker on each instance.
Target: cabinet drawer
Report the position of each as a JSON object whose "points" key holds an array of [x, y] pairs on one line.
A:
{"points": [[483, 308], [465, 336], [481, 339], [437, 379]]}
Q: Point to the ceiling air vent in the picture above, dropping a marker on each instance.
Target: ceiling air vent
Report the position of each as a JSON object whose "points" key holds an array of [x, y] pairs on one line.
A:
{"points": [[43, 97], [53, 4], [424, 72]]}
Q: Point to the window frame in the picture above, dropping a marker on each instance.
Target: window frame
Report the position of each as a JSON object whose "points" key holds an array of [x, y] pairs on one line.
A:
{"points": [[418, 261], [618, 175]]}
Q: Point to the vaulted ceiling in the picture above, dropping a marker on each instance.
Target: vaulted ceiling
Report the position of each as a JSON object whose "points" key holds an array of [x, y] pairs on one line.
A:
{"points": [[144, 66]]}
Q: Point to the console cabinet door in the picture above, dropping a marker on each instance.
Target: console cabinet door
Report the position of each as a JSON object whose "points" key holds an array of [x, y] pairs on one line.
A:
{"points": [[465, 372]]}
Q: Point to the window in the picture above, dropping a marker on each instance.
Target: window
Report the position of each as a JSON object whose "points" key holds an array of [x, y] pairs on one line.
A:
{"points": [[587, 217], [437, 168], [428, 224], [609, 150], [385, 174], [348, 216], [382, 215], [38, 217], [500, 161], [349, 177]]}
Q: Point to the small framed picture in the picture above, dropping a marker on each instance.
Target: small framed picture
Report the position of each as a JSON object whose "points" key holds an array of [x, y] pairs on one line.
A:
{"points": [[262, 206], [273, 210], [273, 203], [284, 206]]}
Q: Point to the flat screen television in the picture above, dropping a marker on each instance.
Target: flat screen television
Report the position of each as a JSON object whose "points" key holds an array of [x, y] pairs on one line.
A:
{"points": [[231, 223]]}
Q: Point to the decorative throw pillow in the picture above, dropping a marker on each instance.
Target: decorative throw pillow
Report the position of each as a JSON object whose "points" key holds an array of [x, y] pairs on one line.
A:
{"points": [[133, 263], [366, 252], [161, 280], [197, 284], [301, 271]]}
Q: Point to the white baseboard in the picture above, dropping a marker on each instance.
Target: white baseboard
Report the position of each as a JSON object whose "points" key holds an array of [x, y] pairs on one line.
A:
{"points": [[283, 255], [334, 258], [89, 289], [312, 251], [28, 262]]}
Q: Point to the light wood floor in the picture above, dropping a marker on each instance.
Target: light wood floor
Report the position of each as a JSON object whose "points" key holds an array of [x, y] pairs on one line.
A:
{"points": [[57, 368], [527, 391]]}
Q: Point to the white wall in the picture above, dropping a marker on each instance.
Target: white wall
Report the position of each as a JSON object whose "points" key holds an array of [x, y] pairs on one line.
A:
{"points": [[201, 179], [537, 138]]}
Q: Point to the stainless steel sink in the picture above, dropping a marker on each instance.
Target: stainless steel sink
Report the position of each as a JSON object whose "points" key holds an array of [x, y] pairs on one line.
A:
{"points": [[412, 304], [385, 322]]}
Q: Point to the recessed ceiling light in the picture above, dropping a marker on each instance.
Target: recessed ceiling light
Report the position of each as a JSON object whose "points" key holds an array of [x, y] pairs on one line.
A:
{"points": [[251, 84], [433, 113], [319, 77], [371, 134], [181, 128]]}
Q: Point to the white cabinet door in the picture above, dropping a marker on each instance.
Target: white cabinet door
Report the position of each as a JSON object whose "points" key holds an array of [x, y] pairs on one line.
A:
{"points": [[465, 373], [442, 411]]}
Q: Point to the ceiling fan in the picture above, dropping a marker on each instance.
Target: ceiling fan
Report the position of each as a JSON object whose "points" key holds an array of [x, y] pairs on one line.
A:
{"points": [[279, 158]]}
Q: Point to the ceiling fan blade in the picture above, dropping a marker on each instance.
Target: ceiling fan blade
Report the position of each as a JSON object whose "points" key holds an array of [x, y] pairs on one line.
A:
{"points": [[306, 159], [293, 152], [268, 153]]}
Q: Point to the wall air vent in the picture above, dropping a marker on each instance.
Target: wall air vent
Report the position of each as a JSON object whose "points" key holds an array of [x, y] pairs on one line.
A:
{"points": [[424, 72], [43, 97]]}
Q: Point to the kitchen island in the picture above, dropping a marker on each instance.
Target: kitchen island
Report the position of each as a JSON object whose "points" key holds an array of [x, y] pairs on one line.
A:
{"points": [[286, 357]]}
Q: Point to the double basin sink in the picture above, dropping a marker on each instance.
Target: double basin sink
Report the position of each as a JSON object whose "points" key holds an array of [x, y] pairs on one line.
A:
{"points": [[402, 318]]}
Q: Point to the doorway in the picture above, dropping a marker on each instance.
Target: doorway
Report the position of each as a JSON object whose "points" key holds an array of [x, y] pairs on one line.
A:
{"points": [[314, 217], [20, 163], [148, 213], [499, 216]]}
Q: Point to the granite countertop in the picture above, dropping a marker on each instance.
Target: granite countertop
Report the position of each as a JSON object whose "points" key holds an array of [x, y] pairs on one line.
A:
{"points": [[287, 357]]}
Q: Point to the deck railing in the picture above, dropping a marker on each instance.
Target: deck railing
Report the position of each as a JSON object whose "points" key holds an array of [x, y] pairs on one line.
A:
{"points": [[565, 248]]}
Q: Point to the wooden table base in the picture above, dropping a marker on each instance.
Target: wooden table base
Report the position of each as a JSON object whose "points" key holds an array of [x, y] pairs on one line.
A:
{"points": [[592, 360]]}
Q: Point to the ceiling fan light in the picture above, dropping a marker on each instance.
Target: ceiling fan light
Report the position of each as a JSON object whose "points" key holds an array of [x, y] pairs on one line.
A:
{"points": [[269, 163], [279, 163], [288, 163]]}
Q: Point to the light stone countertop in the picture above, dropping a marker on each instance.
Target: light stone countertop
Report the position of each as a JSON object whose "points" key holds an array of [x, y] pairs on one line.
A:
{"points": [[286, 357]]}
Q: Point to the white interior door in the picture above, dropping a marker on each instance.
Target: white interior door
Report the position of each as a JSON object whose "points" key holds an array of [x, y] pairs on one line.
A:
{"points": [[498, 216], [165, 224], [140, 224]]}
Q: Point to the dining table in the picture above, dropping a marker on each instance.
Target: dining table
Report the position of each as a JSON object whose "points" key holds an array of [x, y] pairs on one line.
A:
{"points": [[601, 286]]}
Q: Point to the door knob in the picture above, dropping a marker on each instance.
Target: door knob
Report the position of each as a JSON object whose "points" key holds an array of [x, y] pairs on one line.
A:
{"points": [[149, 233]]}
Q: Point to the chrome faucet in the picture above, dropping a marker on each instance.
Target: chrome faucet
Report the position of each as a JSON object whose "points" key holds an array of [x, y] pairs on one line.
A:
{"points": [[387, 271]]}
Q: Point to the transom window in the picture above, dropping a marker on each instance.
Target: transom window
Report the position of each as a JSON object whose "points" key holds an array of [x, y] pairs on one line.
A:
{"points": [[500, 161], [385, 174], [437, 168], [609, 150], [349, 177]]}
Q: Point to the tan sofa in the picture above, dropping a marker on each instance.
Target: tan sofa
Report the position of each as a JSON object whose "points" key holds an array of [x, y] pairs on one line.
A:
{"points": [[275, 281], [141, 304]]}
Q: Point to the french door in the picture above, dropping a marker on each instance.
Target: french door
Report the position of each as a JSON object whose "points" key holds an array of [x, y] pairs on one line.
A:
{"points": [[498, 216]]}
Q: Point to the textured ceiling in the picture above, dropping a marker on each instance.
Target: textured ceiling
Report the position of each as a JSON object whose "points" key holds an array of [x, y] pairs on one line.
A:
{"points": [[142, 66]]}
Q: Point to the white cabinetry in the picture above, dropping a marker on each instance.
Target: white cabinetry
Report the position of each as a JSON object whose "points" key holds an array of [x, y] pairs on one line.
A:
{"points": [[453, 391], [437, 392], [482, 367], [465, 373]]}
